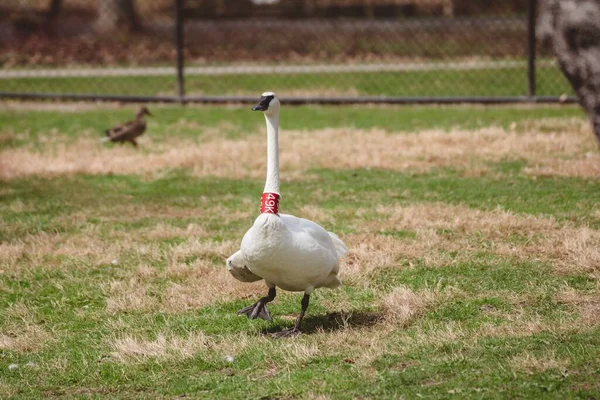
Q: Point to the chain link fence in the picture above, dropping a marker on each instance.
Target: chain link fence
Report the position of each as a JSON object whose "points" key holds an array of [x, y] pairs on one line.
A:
{"points": [[311, 50]]}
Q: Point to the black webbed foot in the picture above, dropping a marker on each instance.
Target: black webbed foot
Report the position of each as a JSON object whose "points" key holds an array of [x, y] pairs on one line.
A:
{"points": [[256, 310], [259, 309], [295, 331]]}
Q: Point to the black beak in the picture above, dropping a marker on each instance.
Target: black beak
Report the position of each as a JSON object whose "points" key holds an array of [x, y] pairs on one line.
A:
{"points": [[263, 104]]}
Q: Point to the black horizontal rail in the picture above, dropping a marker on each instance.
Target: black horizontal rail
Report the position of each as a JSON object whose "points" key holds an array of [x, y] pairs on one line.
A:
{"points": [[294, 100], [180, 96]]}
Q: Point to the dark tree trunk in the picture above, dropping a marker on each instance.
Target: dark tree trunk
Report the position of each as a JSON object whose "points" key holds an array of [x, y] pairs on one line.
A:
{"points": [[35, 22], [116, 15], [575, 38], [55, 8]]}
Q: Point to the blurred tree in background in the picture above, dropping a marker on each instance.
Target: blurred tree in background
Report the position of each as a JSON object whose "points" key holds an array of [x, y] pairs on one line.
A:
{"points": [[116, 15], [574, 29]]}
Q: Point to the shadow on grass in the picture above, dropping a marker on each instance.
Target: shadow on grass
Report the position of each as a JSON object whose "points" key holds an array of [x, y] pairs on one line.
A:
{"points": [[332, 322]]}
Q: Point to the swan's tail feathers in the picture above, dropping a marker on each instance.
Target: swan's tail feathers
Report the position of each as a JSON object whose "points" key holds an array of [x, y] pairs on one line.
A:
{"points": [[340, 247]]}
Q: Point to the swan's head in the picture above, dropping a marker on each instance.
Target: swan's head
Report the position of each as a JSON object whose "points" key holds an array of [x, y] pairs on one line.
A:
{"points": [[269, 104], [237, 267]]}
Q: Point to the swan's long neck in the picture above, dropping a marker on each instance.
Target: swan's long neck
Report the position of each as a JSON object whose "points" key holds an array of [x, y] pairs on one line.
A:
{"points": [[272, 183]]}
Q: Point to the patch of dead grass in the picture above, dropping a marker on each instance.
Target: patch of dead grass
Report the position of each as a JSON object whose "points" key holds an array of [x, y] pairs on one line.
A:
{"points": [[368, 253], [516, 325], [20, 332], [130, 295], [455, 219], [164, 231], [201, 249], [581, 247], [587, 304], [548, 153], [129, 211], [402, 304], [89, 245], [129, 349], [49, 250], [23, 338], [442, 229], [203, 283], [8, 390], [362, 345], [194, 280], [204, 286], [295, 352], [67, 107], [530, 363]]}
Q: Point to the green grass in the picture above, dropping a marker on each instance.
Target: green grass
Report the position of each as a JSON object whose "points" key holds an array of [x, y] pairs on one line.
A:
{"points": [[576, 201], [62, 280], [25, 128], [480, 82]]}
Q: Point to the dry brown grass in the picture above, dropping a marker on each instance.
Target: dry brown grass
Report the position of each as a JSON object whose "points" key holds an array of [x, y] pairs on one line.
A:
{"points": [[44, 250], [90, 246], [24, 339], [363, 344], [570, 249], [164, 231], [369, 252], [587, 304], [403, 305], [8, 390], [20, 332], [442, 229], [195, 280], [132, 350], [70, 107], [531, 364], [130, 295], [191, 285], [568, 153]]}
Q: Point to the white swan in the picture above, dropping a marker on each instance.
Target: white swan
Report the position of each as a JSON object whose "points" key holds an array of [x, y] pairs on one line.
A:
{"points": [[291, 253]]}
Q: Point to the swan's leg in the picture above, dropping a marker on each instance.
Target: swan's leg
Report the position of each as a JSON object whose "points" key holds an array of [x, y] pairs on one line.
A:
{"points": [[296, 329], [259, 309]]}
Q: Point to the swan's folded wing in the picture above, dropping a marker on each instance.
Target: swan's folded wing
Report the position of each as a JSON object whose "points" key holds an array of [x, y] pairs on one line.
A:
{"points": [[317, 232]]}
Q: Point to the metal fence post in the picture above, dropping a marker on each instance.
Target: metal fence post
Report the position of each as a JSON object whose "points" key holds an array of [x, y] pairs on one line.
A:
{"points": [[179, 40], [531, 43]]}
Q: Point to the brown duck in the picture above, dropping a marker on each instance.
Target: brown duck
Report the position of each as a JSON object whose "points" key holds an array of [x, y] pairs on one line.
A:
{"points": [[128, 131]]}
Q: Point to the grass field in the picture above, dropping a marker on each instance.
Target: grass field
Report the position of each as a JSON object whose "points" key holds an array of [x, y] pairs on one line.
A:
{"points": [[480, 82], [473, 272]]}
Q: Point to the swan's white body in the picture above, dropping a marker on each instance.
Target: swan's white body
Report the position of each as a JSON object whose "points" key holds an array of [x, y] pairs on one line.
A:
{"points": [[291, 253]]}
